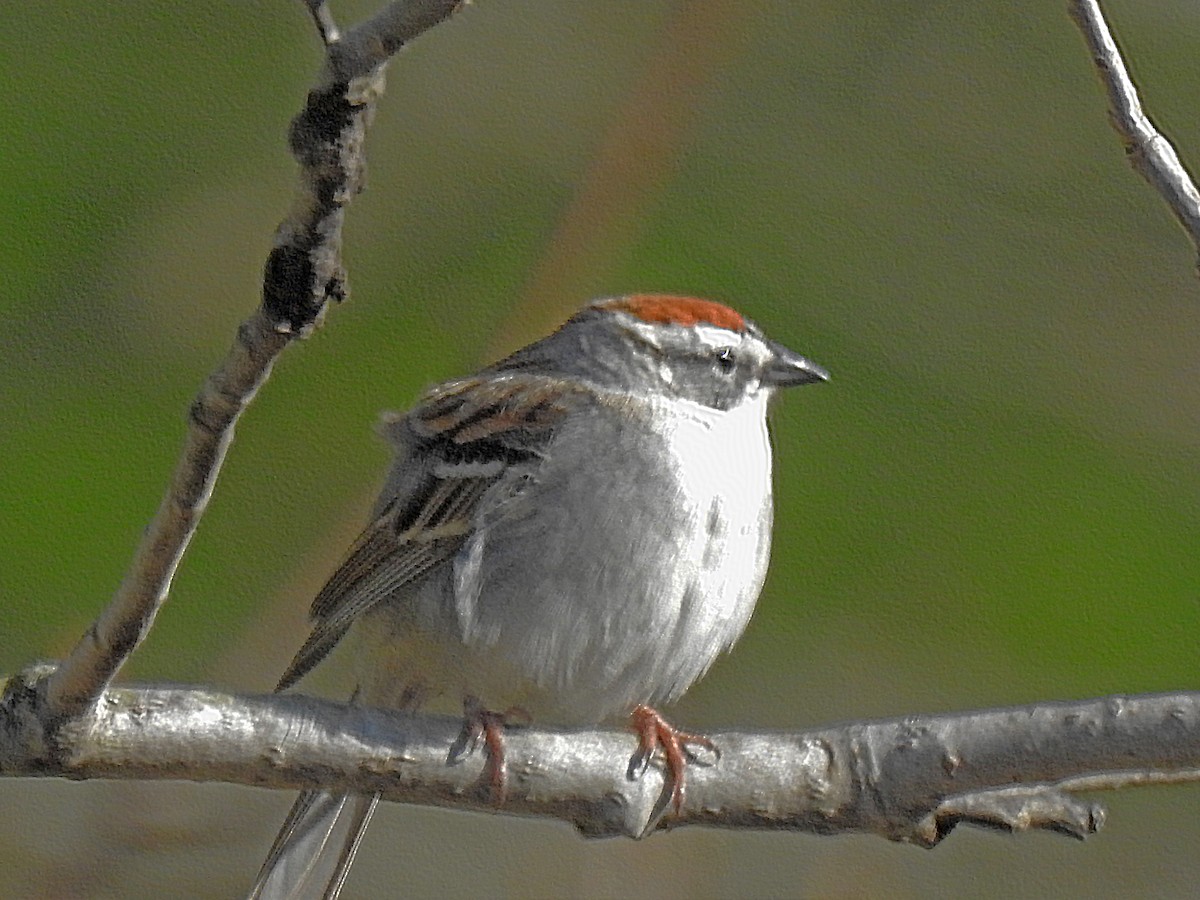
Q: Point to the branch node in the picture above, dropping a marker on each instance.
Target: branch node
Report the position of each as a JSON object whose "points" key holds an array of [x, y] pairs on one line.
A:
{"points": [[1020, 808]]}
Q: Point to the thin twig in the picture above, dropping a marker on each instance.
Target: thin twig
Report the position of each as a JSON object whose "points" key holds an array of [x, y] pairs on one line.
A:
{"points": [[1149, 152], [303, 273], [125, 621], [322, 17]]}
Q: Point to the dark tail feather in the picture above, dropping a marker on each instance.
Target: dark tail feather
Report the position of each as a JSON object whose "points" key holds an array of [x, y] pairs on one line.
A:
{"points": [[315, 847]]}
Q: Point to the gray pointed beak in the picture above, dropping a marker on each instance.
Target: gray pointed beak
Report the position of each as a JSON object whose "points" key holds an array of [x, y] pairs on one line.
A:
{"points": [[789, 369]]}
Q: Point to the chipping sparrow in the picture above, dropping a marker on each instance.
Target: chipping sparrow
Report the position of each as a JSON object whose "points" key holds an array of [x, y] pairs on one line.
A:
{"points": [[577, 531]]}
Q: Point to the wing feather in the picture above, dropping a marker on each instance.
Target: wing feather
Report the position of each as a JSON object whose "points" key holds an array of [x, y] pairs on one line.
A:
{"points": [[465, 434]]}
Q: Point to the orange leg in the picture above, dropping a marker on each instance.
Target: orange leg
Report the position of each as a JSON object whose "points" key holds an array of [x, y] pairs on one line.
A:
{"points": [[488, 725], [654, 733]]}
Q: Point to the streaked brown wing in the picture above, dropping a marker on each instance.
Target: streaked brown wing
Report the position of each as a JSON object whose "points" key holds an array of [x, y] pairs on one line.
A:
{"points": [[474, 428], [382, 561]]}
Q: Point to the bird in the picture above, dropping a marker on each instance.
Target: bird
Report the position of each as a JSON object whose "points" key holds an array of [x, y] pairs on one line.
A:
{"points": [[572, 534]]}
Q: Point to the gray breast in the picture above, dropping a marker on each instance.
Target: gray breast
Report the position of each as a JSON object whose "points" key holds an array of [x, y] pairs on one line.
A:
{"points": [[618, 581]]}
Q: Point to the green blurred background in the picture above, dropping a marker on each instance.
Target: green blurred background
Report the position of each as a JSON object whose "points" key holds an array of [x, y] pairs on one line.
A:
{"points": [[994, 502]]}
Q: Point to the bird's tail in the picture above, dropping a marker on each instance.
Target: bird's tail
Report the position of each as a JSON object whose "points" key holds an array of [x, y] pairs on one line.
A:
{"points": [[315, 847]]}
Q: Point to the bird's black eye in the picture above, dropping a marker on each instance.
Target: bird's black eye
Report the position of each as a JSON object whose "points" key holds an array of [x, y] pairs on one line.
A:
{"points": [[725, 361]]}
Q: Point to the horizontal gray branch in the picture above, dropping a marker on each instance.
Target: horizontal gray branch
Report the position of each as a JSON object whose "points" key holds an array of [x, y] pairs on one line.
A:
{"points": [[909, 779]]}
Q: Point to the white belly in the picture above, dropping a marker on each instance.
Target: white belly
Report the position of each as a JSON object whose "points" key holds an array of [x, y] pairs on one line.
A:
{"points": [[636, 572]]}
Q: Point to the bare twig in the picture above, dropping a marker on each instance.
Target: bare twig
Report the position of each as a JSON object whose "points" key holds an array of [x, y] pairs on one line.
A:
{"points": [[122, 625], [372, 43], [910, 779], [1151, 153], [326, 26], [303, 273]]}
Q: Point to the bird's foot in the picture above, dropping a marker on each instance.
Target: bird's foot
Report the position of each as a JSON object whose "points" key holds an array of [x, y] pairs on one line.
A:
{"points": [[488, 726], [656, 733]]}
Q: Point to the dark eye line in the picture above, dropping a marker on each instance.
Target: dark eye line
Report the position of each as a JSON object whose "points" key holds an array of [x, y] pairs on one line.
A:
{"points": [[726, 360]]}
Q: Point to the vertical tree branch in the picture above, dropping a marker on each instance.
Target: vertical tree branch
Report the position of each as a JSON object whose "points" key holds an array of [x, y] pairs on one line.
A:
{"points": [[125, 621], [303, 273]]}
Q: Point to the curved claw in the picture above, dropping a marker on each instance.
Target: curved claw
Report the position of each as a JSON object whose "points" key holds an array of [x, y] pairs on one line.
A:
{"points": [[655, 733], [489, 726]]}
